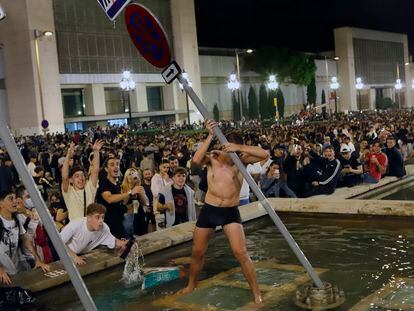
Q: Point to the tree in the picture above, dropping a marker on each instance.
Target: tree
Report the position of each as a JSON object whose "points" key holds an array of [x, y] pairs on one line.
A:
{"points": [[323, 97], [236, 107], [271, 108], [280, 103], [244, 103], [323, 101], [263, 102], [253, 111], [290, 66], [216, 112], [311, 92]]}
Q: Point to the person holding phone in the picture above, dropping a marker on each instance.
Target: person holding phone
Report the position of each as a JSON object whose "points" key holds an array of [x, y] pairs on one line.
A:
{"points": [[137, 204], [351, 173]]}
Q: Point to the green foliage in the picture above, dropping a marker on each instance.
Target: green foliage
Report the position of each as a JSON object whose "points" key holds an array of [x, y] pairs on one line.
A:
{"points": [[243, 100], [253, 109], [311, 92], [236, 107], [292, 66], [323, 97], [263, 102], [280, 103], [216, 112], [385, 103]]}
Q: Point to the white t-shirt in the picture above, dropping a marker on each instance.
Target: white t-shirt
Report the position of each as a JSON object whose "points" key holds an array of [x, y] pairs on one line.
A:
{"points": [[80, 240], [252, 169], [74, 199], [9, 256], [31, 167]]}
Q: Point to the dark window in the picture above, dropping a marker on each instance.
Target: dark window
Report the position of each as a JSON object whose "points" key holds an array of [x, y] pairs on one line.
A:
{"points": [[154, 98], [72, 100], [114, 101]]}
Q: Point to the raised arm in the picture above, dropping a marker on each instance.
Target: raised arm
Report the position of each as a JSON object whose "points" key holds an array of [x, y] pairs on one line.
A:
{"points": [[248, 154], [96, 158], [65, 168], [200, 158]]}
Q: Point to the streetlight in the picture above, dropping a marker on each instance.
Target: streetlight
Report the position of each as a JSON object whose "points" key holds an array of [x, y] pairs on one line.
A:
{"points": [[238, 52], [127, 84], [272, 85], [334, 86], [38, 34], [359, 86], [190, 84]]}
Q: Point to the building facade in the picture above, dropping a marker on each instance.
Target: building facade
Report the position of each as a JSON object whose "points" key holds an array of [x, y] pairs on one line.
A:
{"points": [[379, 59], [71, 78]]}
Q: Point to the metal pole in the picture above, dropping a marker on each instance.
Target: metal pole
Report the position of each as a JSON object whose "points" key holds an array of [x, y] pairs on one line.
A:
{"points": [[266, 204], [47, 220], [129, 110], [39, 79], [359, 100], [188, 110], [336, 103], [238, 78]]}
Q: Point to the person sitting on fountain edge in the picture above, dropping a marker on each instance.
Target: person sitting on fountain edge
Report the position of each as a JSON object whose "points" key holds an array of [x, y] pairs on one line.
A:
{"points": [[221, 204], [84, 234]]}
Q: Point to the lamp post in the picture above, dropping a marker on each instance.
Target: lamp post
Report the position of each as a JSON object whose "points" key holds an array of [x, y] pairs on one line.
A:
{"points": [[334, 86], [272, 85], [127, 84], [237, 53], [190, 84], [38, 34], [398, 87], [233, 84], [359, 86]]}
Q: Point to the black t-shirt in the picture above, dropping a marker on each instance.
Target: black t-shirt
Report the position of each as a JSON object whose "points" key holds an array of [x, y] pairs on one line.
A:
{"points": [[180, 202], [114, 211], [353, 161], [149, 194]]}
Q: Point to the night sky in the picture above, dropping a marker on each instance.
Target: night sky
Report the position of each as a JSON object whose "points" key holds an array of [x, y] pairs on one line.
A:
{"points": [[305, 25]]}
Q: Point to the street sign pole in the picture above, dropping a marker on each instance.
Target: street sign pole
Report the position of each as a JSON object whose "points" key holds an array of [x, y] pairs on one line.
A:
{"points": [[47, 220], [263, 200], [157, 53]]}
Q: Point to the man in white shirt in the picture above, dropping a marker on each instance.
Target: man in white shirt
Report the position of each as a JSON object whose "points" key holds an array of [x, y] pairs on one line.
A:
{"points": [[84, 234], [77, 191]]}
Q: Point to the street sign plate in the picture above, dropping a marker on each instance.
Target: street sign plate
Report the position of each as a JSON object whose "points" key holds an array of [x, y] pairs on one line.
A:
{"points": [[147, 35], [112, 8], [171, 72]]}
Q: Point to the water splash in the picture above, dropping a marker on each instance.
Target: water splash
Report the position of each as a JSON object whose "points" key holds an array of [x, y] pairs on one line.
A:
{"points": [[133, 271]]}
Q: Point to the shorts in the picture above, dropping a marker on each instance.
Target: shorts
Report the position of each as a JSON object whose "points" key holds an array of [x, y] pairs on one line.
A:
{"points": [[212, 216]]}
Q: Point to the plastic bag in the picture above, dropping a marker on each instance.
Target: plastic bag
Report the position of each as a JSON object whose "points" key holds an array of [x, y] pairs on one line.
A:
{"points": [[14, 298]]}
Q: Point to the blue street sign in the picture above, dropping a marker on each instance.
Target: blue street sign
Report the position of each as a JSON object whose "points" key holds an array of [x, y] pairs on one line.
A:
{"points": [[112, 8]]}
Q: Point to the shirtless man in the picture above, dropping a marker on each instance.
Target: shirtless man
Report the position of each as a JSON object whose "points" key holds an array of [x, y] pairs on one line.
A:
{"points": [[221, 205]]}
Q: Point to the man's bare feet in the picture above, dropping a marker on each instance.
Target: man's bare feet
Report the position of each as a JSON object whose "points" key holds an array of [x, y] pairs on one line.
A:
{"points": [[258, 300]]}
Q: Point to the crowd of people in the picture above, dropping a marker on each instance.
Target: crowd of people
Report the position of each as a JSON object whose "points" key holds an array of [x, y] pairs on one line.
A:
{"points": [[109, 184]]}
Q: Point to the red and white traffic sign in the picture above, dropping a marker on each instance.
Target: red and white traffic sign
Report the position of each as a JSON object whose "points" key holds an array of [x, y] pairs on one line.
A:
{"points": [[148, 35], [112, 8]]}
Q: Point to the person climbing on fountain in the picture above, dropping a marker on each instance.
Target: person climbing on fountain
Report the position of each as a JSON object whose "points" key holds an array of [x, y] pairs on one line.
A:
{"points": [[221, 204], [84, 234]]}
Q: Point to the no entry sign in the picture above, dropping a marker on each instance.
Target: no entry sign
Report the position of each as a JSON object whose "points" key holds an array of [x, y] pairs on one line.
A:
{"points": [[147, 35]]}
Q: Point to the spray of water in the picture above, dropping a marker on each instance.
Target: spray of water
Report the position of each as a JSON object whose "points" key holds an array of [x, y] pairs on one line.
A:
{"points": [[133, 271]]}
